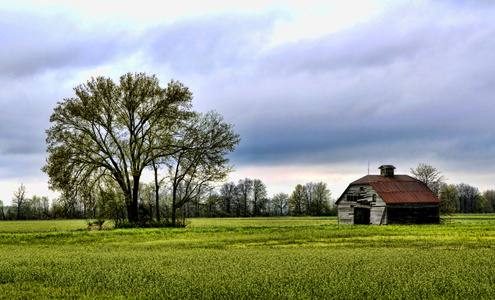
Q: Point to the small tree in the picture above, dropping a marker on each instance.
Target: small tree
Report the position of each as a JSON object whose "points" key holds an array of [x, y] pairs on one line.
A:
{"points": [[212, 204], [321, 199], [280, 204], [36, 209], [111, 205], [157, 190], [297, 201], [449, 202], [430, 176], [19, 200], [489, 195], [228, 192], [484, 205], [45, 203], [245, 189], [468, 198], [2, 213], [259, 196]]}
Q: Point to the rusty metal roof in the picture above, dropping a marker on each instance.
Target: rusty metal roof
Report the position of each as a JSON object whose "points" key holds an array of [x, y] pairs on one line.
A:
{"points": [[399, 189]]}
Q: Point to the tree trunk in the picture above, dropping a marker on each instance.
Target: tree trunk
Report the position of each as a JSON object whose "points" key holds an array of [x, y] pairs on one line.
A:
{"points": [[173, 215], [133, 207], [157, 187], [245, 206], [174, 208]]}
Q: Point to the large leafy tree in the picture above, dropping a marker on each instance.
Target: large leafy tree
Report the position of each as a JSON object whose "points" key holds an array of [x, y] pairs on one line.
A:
{"points": [[115, 131]]}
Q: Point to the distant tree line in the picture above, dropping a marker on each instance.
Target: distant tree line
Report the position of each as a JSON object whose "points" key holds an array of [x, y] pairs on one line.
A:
{"points": [[24, 208], [463, 198], [455, 198], [246, 198], [249, 198]]}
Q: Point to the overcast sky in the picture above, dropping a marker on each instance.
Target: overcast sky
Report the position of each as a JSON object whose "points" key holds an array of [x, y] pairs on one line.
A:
{"points": [[316, 89]]}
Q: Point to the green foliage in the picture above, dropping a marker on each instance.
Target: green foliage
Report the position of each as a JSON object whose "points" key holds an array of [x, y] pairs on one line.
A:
{"points": [[205, 141], [126, 224], [114, 131], [280, 204], [109, 133], [97, 224], [312, 199], [319, 200], [150, 223], [469, 197], [297, 200], [489, 196], [111, 205], [449, 201]]}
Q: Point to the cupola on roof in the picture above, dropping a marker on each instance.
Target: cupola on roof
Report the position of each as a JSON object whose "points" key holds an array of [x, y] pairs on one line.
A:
{"points": [[387, 170]]}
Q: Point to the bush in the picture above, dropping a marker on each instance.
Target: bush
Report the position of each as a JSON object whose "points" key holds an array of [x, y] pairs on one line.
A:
{"points": [[125, 224], [178, 224], [97, 223]]}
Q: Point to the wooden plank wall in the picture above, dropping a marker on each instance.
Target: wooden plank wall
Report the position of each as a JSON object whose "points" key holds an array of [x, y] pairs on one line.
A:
{"points": [[363, 198]]}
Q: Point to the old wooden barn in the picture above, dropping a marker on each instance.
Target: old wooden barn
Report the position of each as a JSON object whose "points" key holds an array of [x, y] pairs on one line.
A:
{"points": [[388, 199]]}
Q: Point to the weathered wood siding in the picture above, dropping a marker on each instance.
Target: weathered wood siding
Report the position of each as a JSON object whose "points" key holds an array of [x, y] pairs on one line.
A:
{"points": [[361, 196], [378, 215], [427, 213]]}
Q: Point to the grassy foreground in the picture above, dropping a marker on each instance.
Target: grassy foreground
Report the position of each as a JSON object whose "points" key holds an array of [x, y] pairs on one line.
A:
{"points": [[255, 258]]}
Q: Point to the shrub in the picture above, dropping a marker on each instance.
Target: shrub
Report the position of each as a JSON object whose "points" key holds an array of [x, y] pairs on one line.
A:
{"points": [[97, 223], [125, 224]]}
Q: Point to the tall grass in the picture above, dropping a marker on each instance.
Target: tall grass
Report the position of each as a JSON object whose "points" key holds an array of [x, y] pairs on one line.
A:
{"points": [[254, 258], [70, 225], [41, 225]]}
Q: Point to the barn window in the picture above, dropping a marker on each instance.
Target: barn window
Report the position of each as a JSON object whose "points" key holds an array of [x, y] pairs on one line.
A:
{"points": [[374, 197], [352, 197]]}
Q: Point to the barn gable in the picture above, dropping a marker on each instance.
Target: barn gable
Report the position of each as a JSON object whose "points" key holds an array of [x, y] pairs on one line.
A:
{"points": [[387, 199]]}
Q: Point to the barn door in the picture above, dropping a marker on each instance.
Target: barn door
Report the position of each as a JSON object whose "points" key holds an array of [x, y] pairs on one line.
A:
{"points": [[361, 215]]}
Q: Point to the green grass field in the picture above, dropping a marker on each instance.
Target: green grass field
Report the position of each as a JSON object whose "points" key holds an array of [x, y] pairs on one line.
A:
{"points": [[251, 258]]}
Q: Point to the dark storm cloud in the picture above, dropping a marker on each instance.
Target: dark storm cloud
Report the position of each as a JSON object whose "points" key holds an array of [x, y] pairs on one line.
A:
{"points": [[389, 88]]}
